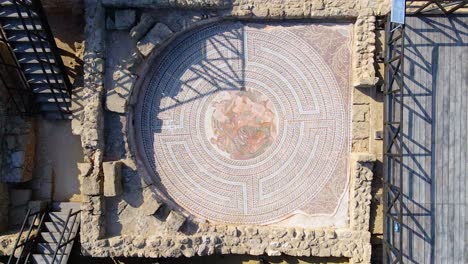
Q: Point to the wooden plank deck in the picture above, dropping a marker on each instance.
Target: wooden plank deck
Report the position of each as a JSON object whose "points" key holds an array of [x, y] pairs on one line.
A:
{"points": [[434, 140]]}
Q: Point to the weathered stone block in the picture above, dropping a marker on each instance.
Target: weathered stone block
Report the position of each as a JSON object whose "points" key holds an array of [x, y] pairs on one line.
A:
{"points": [[91, 185], [112, 178], [150, 202], [20, 197], [273, 252], [294, 12], [76, 123], [92, 226], [360, 113], [260, 12], [363, 157], [85, 168], [93, 204], [155, 37], [123, 81], [360, 145], [115, 103], [361, 96], [276, 12], [174, 221], [146, 22], [368, 82], [124, 18], [119, 91], [317, 5], [361, 130]]}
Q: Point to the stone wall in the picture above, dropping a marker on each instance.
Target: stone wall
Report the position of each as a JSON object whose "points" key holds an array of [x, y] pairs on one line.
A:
{"points": [[207, 239], [18, 149], [92, 122], [269, 8], [18, 154], [103, 127], [17, 131], [17, 146]]}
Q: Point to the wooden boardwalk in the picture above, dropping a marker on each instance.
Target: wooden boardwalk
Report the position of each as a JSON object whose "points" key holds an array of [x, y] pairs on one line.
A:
{"points": [[435, 142]]}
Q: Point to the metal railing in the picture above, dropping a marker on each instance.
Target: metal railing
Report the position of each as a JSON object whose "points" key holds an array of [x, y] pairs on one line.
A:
{"points": [[13, 79], [394, 85], [419, 7], [27, 244], [393, 150], [57, 80], [69, 238]]}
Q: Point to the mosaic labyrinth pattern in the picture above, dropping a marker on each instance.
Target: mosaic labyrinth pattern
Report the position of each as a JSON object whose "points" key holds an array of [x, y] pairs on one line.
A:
{"points": [[249, 123]]}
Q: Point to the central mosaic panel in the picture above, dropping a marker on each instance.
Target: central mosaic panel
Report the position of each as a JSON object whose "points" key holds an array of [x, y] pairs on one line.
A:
{"points": [[241, 124], [249, 123]]}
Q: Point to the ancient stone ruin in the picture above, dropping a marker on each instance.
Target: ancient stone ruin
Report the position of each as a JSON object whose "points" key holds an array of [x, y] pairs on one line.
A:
{"points": [[226, 127], [208, 132]]}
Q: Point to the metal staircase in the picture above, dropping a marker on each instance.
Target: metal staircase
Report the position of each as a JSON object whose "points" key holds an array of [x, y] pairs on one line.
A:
{"points": [[35, 56], [50, 237]]}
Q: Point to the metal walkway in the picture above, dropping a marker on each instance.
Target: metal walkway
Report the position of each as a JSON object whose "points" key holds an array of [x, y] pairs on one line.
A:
{"points": [[434, 142], [47, 235], [32, 50]]}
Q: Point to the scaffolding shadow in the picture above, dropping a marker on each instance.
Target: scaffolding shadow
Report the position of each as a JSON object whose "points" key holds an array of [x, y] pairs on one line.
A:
{"points": [[426, 82], [215, 64]]}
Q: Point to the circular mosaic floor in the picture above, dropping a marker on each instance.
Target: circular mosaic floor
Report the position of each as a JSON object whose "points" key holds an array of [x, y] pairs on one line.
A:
{"points": [[248, 123]]}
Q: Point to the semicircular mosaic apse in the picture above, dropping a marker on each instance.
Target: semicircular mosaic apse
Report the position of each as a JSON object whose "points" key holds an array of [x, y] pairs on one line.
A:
{"points": [[249, 123]]}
